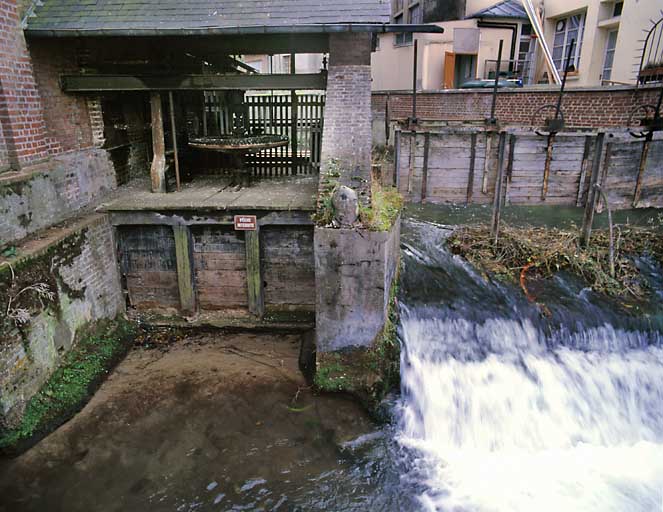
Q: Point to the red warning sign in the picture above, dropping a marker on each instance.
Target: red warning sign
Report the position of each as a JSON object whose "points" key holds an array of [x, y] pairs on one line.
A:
{"points": [[245, 222]]}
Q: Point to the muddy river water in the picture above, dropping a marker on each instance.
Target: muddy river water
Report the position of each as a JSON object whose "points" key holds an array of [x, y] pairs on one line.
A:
{"points": [[500, 410]]}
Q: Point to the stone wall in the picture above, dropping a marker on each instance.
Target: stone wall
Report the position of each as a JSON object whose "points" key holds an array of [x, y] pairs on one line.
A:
{"points": [[599, 107], [354, 274], [77, 264], [48, 193]]}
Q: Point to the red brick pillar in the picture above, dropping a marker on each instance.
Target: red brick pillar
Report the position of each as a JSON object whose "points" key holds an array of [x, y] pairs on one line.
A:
{"points": [[21, 113]]}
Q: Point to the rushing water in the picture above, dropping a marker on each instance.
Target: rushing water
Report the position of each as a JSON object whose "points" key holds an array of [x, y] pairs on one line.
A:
{"points": [[503, 409]]}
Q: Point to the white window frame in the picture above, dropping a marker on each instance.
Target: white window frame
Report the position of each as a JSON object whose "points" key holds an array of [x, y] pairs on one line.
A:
{"points": [[605, 55], [577, 48]]}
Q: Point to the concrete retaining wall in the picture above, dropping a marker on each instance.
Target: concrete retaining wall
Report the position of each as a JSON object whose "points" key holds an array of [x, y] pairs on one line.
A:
{"points": [[354, 272], [78, 266]]}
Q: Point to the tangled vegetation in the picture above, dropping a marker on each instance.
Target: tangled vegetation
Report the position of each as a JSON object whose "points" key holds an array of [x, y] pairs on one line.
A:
{"points": [[81, 371], [380, 215], [545, 251]]}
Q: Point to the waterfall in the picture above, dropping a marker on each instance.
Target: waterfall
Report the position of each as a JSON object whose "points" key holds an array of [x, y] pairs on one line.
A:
{"points": [[504, 410]]}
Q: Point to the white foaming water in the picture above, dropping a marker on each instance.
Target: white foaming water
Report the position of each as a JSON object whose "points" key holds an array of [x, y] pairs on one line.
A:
{"points": [[503, 423]]}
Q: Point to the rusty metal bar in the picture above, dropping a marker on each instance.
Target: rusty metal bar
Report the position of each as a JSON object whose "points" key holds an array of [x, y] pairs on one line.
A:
{"points": [[497, 79], [414, 84]]}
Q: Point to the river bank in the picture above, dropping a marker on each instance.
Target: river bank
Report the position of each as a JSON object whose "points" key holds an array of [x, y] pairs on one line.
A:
{"points": [[210, 420]]}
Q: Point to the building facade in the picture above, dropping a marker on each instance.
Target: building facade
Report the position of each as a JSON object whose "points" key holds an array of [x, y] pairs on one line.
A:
{"points": [[607, 38]]}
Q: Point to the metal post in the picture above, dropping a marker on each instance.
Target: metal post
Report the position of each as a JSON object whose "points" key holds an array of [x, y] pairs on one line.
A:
{"points": [[414, 86], [497, 79]]}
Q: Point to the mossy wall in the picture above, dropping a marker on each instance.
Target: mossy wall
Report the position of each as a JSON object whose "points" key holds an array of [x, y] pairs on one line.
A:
{"points": [[46, 296]]}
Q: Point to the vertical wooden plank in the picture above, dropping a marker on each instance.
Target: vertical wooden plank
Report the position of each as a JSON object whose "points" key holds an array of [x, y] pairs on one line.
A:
{"points": [[413, 149], [486, 163], [583, 170], [509, 166], [424, 178], [470, 177], [546, 167], [499, 184], [184, 258], [397, 156], [158, 168], [592, 193], [254, 273]]}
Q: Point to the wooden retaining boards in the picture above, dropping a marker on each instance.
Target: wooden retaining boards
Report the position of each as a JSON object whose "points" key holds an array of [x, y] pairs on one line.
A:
{"points": [[184, 258]]}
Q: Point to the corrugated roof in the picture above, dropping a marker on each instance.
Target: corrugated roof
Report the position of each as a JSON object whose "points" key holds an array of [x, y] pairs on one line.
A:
{"points": [[504, 9], [191, 16]]}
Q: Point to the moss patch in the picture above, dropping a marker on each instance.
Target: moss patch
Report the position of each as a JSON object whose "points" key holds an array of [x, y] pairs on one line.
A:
{"points": [[541, 252], [98, 349]]}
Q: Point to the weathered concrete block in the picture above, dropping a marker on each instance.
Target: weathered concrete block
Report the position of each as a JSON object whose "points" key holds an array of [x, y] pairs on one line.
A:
{"points": [[354, 273], [50, 193]]}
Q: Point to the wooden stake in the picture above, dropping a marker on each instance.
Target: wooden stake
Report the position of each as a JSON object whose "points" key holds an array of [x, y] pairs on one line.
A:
{"points": [[424, 177], [592, 195], [641, 168], [470, 178], [499, 184], [158, 168]]}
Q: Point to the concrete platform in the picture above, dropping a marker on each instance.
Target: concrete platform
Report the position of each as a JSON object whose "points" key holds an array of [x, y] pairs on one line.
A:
{"points": [[215, 194]]}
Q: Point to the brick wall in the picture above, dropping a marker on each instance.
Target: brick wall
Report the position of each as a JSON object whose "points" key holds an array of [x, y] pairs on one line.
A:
{"points": [[21, 115], [68, 120], [82, 260], [52, 191], [346, 134], [606, 107]]}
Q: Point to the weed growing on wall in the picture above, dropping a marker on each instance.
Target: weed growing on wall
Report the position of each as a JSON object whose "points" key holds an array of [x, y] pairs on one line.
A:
{"points": [[98, 348]]}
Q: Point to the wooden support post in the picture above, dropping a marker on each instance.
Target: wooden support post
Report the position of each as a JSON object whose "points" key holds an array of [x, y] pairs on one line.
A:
{"points": [[641, 168], [254, 273], [499, 186], [604, 175], [293, 135], [546, 168], [509, 165], [184, 259], [486, 163], [583, 170], [173, 129], [424, 177], [397, 156], [470, 178], [158, 169], [592, 195], [413, 150]]}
